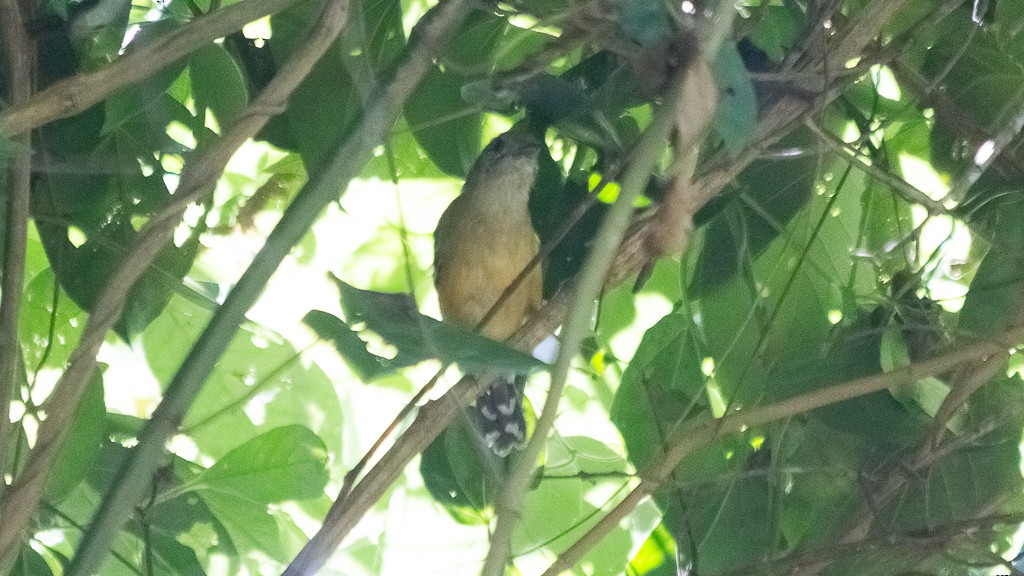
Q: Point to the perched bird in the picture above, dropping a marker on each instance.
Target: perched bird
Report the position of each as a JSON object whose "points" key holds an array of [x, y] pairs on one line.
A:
{"points": [[482, 242]]}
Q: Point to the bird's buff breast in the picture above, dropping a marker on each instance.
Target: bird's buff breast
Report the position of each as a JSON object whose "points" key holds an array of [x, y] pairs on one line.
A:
{"points": [[473, 275]]}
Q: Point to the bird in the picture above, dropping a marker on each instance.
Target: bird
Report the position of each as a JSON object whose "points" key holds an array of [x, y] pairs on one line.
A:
{"points": [[483, 241]]}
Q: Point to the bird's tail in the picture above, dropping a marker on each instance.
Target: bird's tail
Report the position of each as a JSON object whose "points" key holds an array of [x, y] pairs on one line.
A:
{"points": [[500, 416]]}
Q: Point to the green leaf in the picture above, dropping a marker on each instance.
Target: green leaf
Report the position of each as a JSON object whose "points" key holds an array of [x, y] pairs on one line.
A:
{"points": [[447, 128], [518, 44], [956, 487], [143, 101], [657, 556], [729, 520], [377, 29], [993, 300], [877, 417], [471, 50], [312, 126], [254, 388], [173, 556], [767, 196], [251, 528], [85, 438], [68, 321], [395, 318], [824, 464], [558, 512], [287, 463], [777, 30], [366, 365], [30, 563], [460, 473], [660, 388], [217, 84]]}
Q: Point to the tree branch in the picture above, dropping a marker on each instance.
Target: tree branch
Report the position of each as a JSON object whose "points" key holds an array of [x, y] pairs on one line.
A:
{"points": [[76, 94], [20, 55], [197, 180], [373, 127], [688, 438]]}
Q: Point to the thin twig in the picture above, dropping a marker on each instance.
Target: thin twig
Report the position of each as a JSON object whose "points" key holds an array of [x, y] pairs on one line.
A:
{"points": [[412, 404], [861, 162]]}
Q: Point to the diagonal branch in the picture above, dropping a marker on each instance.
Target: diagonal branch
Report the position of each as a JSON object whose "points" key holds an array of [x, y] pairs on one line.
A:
{"points": [[934, 540], [78, 93], [197, 180], [861, 162], [432, 32], [689, 438], [589, 284]]}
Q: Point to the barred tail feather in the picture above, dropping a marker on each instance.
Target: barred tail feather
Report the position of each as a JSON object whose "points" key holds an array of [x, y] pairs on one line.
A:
{"points": [[500, 417]]}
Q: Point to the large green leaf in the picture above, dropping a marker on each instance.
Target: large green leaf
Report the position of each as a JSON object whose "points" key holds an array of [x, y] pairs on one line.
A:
{"points": [[287, 463], [767, 195], [394, 318], [367, 365], [217, 84], [459, 471], [30, 563], [559, 511], [777, 29], [445, 126], [253, 389], [661, 387], [321, 110], [48, 334]]}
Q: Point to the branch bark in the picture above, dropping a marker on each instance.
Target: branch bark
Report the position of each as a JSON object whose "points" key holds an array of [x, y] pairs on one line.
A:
{"points": [[20, 55], [76, 94]]}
